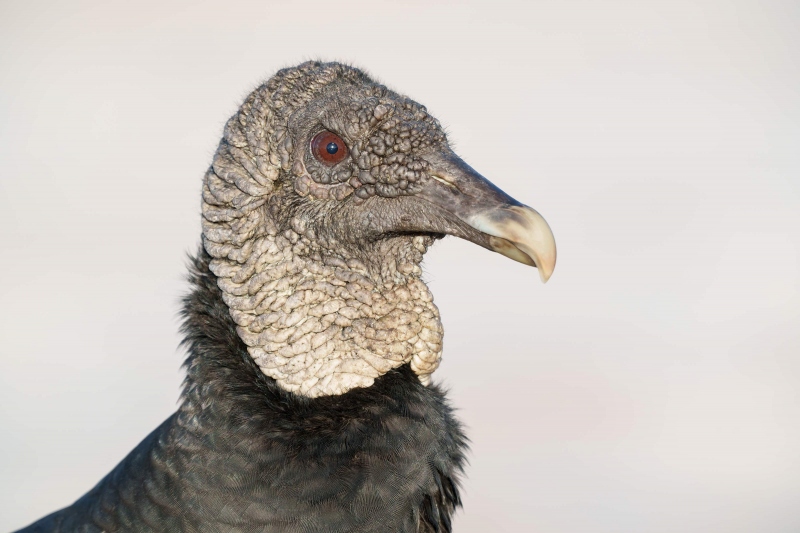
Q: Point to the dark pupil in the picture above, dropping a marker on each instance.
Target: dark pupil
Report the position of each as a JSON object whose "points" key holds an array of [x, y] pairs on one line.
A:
{"points": [[332, 148]]}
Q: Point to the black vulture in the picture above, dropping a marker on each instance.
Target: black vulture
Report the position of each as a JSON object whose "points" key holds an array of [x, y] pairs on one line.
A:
{"points": [[311, 338]]}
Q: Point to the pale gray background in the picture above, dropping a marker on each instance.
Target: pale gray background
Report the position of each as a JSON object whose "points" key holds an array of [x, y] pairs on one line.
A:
{"points": [[651, 386]]}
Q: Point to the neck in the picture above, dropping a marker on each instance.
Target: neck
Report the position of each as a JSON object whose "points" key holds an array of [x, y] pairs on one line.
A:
{"points": [[276, 450], [323, 323]]}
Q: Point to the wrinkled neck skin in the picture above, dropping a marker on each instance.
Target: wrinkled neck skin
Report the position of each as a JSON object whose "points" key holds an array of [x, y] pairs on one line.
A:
{"points": [[322, 322], [321, 311]]}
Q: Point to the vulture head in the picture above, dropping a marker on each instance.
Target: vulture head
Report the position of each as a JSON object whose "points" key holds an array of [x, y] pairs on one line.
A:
{"points": [[323, 196]]}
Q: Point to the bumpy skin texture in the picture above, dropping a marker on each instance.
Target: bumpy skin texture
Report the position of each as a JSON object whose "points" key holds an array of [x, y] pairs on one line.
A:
{"points": [[324, 300], [244, 455]]}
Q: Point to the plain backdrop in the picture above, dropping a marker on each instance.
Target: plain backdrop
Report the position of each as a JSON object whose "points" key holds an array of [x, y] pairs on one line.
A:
{"points": [[651, 386]]}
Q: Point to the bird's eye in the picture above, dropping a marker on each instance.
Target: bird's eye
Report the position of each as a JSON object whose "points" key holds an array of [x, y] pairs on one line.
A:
{"points": [[328, 148]]}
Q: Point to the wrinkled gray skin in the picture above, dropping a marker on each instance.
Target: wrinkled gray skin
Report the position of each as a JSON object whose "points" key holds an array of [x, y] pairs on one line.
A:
{"points": [[319, 263], [325, 297], [307, 405]]}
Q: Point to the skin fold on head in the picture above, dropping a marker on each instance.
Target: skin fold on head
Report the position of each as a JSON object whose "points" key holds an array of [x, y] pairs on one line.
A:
{"points": [[323, 196]]}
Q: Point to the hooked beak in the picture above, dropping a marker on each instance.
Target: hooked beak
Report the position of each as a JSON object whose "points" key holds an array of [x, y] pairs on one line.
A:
{"points": [[495, 220]]}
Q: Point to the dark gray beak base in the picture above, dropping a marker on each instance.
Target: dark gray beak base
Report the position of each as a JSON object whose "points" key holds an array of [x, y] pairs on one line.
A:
{"points": [[499, 222]]}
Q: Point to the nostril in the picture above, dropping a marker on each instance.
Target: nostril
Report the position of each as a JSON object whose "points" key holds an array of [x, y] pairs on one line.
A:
{"points": [[446, 182]]}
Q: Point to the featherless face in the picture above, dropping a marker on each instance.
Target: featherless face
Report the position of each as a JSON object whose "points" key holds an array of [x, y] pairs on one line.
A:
{"points": [[325, 192]]}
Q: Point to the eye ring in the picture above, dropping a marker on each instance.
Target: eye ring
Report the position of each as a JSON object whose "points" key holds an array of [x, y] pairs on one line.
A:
{"points": [[328, 148]]}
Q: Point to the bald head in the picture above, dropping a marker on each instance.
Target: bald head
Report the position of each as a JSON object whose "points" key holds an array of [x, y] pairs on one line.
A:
{"points": [[325, 192]]}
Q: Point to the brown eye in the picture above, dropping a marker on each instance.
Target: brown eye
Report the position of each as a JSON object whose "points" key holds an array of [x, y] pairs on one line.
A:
{"points": [[328, 148]]}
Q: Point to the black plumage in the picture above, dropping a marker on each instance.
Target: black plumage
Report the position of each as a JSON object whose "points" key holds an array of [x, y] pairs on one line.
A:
{"points": [[241, 454]]}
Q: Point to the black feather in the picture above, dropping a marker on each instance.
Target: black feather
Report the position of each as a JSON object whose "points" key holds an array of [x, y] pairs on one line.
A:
{"points": [[243, 455]]}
